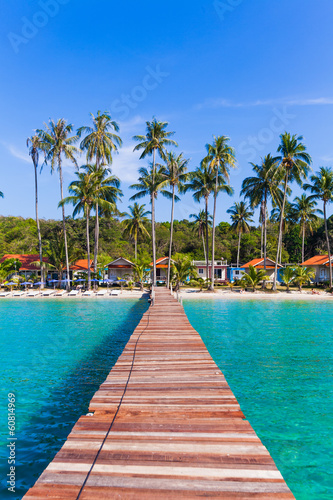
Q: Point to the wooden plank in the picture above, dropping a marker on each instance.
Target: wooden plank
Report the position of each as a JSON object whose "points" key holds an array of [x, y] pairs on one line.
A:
{"points": [[165, 425]]}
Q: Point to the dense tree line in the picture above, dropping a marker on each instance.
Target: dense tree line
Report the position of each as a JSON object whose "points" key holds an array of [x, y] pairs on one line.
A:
{"points": [[19, 236]]}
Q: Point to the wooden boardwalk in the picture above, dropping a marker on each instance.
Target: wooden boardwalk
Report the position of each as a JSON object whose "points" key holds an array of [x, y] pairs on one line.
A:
{"points": [[165, 425]]}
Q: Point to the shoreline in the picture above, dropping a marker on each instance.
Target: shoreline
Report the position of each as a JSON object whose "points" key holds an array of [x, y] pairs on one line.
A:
{"points": [[189, 294], [258, 295]]}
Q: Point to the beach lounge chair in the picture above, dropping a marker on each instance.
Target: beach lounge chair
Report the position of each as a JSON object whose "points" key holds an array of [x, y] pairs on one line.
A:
{"points": [[60, 293], [101, 292], [5, 294], [33, 293], [18, 293], [115, 292], [47, 293], [88, 293], [73, 293]]}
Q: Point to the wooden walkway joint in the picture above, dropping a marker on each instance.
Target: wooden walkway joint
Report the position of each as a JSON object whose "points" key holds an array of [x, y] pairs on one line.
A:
{"points": [[165, 425]]}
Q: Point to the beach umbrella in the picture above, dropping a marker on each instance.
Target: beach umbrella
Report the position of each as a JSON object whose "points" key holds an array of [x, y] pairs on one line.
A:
{"points": [[54, 282], [80, 279], [94, 279], [26, 283], [39, 283], [12, 283]]}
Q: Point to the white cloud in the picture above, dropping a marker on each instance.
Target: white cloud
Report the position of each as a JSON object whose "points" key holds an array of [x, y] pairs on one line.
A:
{"points": [[14, 151], [226, 103], [327, 159], [126, 164], [132, 125]]}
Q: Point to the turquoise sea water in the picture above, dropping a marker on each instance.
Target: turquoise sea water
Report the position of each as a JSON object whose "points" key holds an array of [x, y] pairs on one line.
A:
{"points": [[54, 355], [277, 358]]}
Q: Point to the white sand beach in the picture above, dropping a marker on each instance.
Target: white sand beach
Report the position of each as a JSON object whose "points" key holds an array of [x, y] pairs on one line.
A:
{"points": [[259, 295]]}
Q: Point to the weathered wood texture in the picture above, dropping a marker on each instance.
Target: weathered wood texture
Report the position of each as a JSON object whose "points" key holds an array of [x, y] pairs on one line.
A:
{"points": [[165, 425]]}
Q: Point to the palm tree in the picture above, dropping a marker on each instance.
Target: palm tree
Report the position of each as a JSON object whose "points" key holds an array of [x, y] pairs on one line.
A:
{"points": [[140, 273], [150, 184], [305, 213], [202, 183], [199, 225], [1, 194], [288, 218], [288, 276], [155, 140], [176, 174], [135, 222], [303, 275], [253, 277], [182, 268], [83, 196], [240, 217], [33, 143], [57, 143], [100, 143], [56, 254], [220, 157], [322, 189], [295, 164], [109, 188], [262, 187]]}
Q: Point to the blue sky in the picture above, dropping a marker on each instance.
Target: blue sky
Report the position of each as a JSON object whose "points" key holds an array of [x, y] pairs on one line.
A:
{"points": [[248, 70]]}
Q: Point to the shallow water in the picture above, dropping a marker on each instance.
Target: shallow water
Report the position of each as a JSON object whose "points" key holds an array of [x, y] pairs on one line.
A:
{"points": [[277, 358], [54, 355]]}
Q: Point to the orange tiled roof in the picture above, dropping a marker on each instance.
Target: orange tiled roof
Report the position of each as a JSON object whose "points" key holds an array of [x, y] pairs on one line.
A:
{"points": [[81, 265], [161, 259], [317, 260], [26, 261], [256, 262]]}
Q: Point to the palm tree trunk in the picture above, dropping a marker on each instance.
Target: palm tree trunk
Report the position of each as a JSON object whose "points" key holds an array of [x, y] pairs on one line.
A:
{"points": [[88, 248], [213, 232], [265, 229], [64, 223], [207, 243], [96, 239], [203, 243], [153, 222], [328, 245], [238, 250], [264, 224], [38, 229], [136, 246], [171, 234], [262, 239], [303, 239], [280, 231]]}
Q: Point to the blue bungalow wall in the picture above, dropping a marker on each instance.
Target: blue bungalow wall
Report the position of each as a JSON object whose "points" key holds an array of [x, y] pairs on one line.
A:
{"points": [[233, 274]]}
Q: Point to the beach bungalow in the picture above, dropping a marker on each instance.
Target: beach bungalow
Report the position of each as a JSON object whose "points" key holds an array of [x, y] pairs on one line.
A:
{"points": [[235, 273], [161, 269], [27, 267], [260, 264], [120, 268], [80, 266], [220, 270], [320, 264]]}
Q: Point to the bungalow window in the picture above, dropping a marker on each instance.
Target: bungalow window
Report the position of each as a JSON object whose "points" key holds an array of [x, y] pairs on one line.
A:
{"points": [[218, 273], [201, 271]]}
